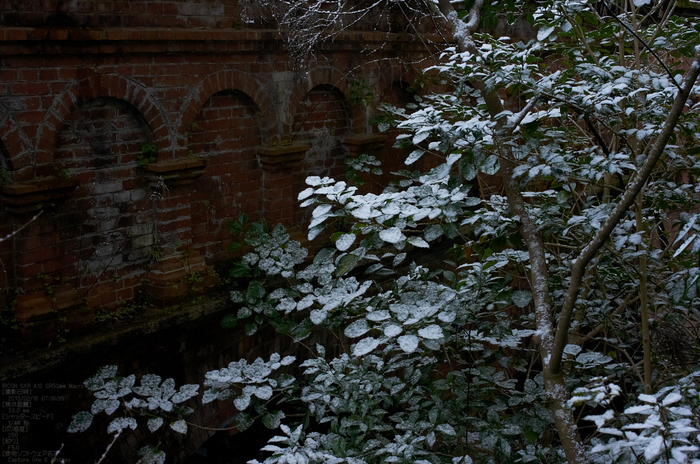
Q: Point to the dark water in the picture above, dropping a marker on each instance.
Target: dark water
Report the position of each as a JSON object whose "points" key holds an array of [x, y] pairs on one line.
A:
{"points": [[37, 407]]}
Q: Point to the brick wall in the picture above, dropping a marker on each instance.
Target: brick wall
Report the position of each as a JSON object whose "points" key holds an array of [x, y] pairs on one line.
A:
{"points": [[120, 13], [104, 233], [322, 120], [227, 133], [174, 13], [87, 86]]}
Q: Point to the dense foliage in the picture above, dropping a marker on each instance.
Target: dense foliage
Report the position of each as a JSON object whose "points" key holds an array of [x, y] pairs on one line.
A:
{"points": [[570, 292]]}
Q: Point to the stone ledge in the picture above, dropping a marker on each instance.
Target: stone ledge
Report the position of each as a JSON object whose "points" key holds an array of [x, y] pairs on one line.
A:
{"points": [[39, 304], [282, 156], [178, 171], [173, 278], [23, 197], [365, 143]]}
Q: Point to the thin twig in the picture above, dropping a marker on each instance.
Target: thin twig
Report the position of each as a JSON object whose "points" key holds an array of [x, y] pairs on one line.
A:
{"points": [[55, 456], [636, 36], [12, 234], [116, 435]]}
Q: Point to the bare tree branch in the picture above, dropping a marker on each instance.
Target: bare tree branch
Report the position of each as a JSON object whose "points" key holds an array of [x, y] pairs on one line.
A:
{"points": [[628, 198]]}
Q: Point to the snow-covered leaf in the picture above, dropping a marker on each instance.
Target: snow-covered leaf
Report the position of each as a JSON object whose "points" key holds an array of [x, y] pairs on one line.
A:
{"points": [[408, 343], [392, 330], [80, 423], [357, 328], [155, 423], [151, 455], [121, 423], [672, 398], [392, 235], [345, 241], [180, 426], [572, 349], [366, 345], [263, 392], [418, 242], [447, 429], [545, 32], [521, 298], [431, 332], [414, 156]]}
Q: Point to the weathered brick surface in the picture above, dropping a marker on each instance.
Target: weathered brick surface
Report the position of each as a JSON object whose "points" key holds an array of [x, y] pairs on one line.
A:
{"points": [[322, 120], [121, 13], [226, 131], [86, 85]]}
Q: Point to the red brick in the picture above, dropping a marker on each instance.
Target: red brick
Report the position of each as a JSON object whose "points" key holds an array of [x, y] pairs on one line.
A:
{"points": [[32, 305], [154, 8], [28, 75], [31, 88], [8, 75], [125, 294]]}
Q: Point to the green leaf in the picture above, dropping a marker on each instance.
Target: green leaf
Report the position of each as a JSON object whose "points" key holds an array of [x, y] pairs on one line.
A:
{"points": [[229, 321], [234, 246], [273, 419], [234, 227], [530, 435], [303, 330], [255, 292], [243, 421], [450, 230], [283, 326], [239, 270], [346, 264], [323, 255]]}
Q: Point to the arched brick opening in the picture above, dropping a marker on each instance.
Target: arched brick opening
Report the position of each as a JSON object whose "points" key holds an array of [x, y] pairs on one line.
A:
{"points": [[223, 81], [399, 94], [105, 232], [317, 76], [391, 74], [322, 119], [73, 96], [226, 132]]}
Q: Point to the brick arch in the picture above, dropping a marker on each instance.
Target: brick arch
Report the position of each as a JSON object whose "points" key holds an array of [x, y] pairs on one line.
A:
{"points": [[219, 82], [315, 78], [105, 85], [322, 119], [396, 72], [395, 92], [107, 226], [17, 148], [389, 78], [227, 133]]}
